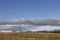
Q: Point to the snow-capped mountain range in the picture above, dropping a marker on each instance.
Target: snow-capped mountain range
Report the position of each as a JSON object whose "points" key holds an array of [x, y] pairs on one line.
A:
{"points": [[26, 24]]}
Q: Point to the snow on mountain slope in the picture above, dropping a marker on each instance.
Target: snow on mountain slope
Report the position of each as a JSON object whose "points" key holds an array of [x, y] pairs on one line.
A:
{"points": [[16, 27], [28, 28], [46, 28]]}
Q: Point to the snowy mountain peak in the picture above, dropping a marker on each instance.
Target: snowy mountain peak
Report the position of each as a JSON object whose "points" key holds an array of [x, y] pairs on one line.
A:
{"points": [[24, 18]]}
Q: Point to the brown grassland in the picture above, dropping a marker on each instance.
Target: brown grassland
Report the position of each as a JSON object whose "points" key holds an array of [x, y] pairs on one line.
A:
{"points": [[29, 36]]}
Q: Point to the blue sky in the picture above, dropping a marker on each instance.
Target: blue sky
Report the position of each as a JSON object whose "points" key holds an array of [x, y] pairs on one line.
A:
{"points": [[37, 9]]}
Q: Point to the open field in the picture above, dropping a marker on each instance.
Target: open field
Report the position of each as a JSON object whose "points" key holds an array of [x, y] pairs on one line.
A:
{"points": [[29, 36]]}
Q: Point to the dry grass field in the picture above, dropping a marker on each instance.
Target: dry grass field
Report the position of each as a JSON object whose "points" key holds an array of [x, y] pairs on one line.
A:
{"points": [[29, 36]]}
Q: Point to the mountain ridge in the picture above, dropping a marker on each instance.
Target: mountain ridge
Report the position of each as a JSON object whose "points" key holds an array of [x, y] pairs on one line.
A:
{"points": [[32, 21]]}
